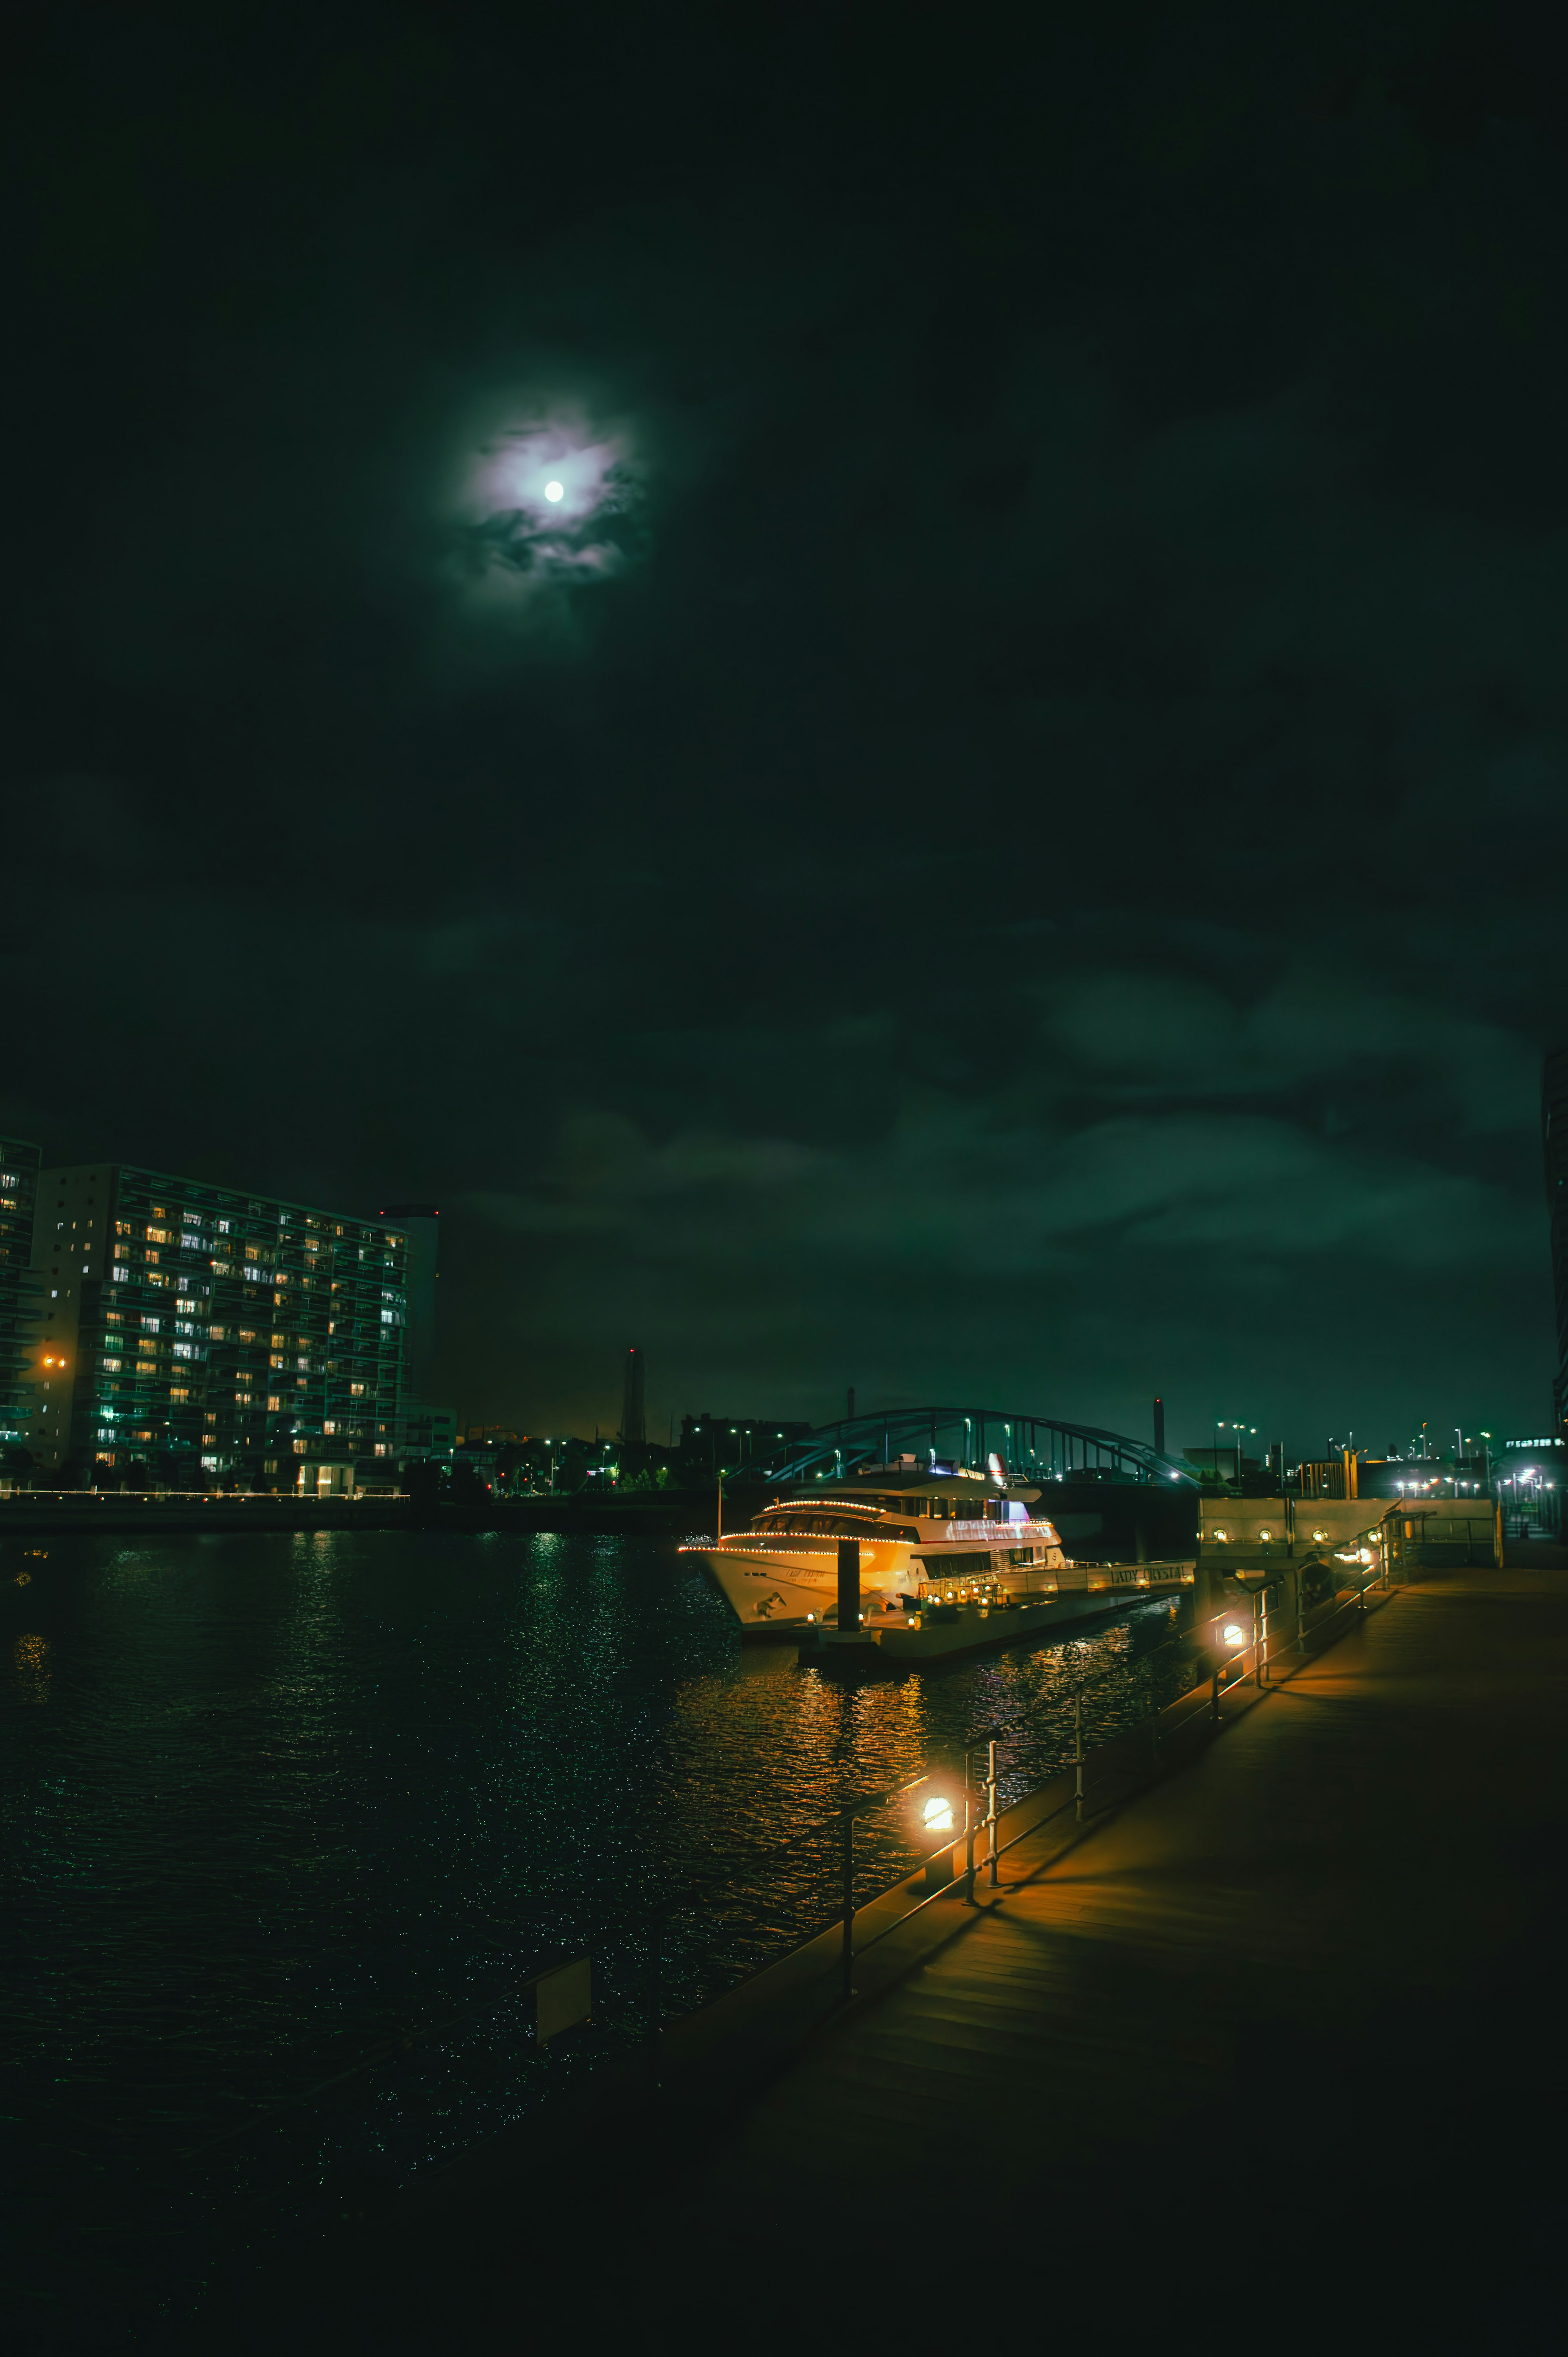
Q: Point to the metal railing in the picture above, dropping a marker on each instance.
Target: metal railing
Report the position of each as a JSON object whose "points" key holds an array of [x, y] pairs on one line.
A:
{"points": [[1247, 1661], [34, 1497]]}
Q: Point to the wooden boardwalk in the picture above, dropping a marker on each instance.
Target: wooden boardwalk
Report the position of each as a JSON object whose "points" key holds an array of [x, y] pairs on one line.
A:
{"points": [[1353, 1843]]}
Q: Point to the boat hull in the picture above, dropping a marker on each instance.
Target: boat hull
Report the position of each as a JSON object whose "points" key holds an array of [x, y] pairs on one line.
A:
{"points": [[775, 1592], [771, 1591]]}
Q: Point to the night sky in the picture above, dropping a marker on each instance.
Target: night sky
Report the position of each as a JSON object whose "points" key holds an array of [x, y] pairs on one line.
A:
{"points": [[1003, 838]]}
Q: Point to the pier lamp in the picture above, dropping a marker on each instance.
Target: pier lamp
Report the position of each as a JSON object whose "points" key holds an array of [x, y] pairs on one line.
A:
{"points": [[1234, 1634], [932, 1810]]}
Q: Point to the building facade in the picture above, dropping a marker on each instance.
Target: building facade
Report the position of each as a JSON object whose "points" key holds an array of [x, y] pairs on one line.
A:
{"points": [[425, 1430], [210, 1335], [19, 1290]]}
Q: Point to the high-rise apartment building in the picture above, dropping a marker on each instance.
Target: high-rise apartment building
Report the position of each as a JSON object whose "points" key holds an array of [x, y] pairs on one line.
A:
{"points": [[209, 1333], [419, 1225], [1554, 1144], [20, 1289], [425, 1430]]}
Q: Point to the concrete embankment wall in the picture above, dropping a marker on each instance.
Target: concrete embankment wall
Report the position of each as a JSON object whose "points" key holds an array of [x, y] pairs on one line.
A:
{"points": [[39, 1513]]}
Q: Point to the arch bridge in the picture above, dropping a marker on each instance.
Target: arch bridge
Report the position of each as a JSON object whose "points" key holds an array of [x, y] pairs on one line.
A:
{"points": [[1027, 1445]]}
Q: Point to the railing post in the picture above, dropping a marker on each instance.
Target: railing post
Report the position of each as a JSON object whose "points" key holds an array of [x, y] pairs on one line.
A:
{"points": [[1078, 1752], [992, 1875], [968, 1835], [847, 1863], [1214, 1697]]}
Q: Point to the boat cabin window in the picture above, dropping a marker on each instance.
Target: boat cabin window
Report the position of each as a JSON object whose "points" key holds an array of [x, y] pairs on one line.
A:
{"points": [[837, 1526], [939, 1568]]}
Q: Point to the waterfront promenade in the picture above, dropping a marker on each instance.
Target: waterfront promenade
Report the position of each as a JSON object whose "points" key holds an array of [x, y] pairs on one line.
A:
{"points": [[1286, 2026]]}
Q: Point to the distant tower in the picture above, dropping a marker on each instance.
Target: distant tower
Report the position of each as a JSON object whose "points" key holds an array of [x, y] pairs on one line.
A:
{"points": [[633, 1420], [1159, 1427]]}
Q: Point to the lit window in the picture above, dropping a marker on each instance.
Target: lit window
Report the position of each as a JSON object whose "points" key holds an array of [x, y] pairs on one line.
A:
{"points": [[110, 1366], [177, 1394], [300, 1448], [273, 1404], [356, 1390]]}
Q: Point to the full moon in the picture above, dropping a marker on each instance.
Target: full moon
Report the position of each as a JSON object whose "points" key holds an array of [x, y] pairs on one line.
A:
{"points": [[555, 491]]}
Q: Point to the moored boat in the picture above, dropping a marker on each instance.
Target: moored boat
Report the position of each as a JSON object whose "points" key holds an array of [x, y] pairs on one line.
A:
{"points": [[929, 1537]]}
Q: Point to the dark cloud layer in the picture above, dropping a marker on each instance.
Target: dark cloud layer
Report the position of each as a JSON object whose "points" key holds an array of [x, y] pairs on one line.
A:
{"points": [[1017, 853]]}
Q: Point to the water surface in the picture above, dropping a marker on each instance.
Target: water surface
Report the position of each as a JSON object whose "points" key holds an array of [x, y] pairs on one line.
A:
{"points": [[289, 1821]]}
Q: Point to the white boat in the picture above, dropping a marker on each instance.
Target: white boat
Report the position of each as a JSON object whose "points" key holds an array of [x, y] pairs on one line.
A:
{"points": [[927, 1537]]}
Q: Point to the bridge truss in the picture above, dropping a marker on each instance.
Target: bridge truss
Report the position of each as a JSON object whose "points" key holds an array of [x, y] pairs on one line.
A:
{"points": [[1027, 1445]]}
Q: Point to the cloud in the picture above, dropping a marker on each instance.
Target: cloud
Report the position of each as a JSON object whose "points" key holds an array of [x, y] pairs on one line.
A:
{"points": [[549, 502], [1142, 1032], [959, 1192]]}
